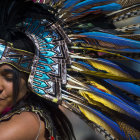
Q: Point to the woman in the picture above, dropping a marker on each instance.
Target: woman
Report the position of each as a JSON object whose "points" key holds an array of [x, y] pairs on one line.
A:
{"points": [[24, 115], [24, 119], [16, 126], [35, 60]]}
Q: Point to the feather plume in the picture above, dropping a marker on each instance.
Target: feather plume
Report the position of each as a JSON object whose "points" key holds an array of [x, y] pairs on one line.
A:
{"points": [[102, 39]]}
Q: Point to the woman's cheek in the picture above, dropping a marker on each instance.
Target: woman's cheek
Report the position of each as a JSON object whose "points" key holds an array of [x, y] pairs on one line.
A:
{"points": [[7, 97], [8, 91]]}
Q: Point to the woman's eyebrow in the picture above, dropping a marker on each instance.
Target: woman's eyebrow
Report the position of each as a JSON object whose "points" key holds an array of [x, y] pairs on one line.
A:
{"points": [[8, 71]]}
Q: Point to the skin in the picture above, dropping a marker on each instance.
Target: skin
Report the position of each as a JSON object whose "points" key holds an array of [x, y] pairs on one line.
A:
{"points": [[6, 94], [16, 128]]}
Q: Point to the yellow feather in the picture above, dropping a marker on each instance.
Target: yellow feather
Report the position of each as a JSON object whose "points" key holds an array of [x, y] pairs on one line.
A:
{"points": [[91, 97], [103, 66], [101, 87], [94, 118], [108, 76], [122, 77]]}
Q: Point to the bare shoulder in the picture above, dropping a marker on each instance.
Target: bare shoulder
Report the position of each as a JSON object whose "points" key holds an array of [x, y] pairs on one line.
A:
{"points": [[22, 126]]}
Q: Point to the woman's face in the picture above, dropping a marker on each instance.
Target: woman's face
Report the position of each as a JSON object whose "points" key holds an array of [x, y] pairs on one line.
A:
{"points": [[6, 87]]}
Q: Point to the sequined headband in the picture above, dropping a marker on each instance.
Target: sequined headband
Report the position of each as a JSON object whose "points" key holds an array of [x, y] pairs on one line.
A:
{"points": [[20, 59]]}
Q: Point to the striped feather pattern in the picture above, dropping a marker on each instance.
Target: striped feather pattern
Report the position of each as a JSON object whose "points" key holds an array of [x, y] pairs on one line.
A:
{"points": [[102, 87]]}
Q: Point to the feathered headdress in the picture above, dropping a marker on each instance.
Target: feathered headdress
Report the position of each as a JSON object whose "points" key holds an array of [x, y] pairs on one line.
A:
{"points": [[86, 59]]}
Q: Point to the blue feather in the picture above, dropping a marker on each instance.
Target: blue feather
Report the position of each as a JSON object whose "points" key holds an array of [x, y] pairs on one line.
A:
{"points": [[86, 2], [108, 7], [129, 87], [130, 50], [86, 65], [108, 121], [121, 95], [109, 63], [70, 3], [137, 61], [118, 102], [113, 39]]}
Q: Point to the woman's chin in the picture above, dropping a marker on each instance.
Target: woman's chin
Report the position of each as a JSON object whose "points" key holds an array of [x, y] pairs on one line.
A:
{"points": [[4, 110]]}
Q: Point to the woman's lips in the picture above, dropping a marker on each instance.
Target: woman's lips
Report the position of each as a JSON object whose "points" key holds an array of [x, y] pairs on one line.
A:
{"points": [[2, 99]]}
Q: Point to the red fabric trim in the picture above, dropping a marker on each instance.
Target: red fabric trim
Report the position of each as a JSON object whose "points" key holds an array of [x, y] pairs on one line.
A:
{"points": [[52, 138]]}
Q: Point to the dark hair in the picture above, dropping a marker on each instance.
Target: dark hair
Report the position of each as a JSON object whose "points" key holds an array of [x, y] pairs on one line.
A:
{"points": [[13, 12], [60, 121], [16, 84]]}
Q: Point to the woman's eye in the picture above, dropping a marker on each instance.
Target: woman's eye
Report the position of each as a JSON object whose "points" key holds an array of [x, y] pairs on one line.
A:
{"points": [[10, 79], [7, 75]]}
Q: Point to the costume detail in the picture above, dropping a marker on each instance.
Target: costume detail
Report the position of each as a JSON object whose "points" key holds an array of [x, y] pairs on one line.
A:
{"points": [[44, 116], [49, 65], [83, 58], [20, 59]]}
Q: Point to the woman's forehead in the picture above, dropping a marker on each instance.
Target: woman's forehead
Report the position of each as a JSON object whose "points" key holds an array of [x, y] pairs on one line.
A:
{"points": [[5, 66], [9, 69]]}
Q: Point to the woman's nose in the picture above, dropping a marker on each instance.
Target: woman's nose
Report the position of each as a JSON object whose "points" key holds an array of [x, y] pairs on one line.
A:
{"points": [[1, 88], [1, 91], [1, 85]]}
